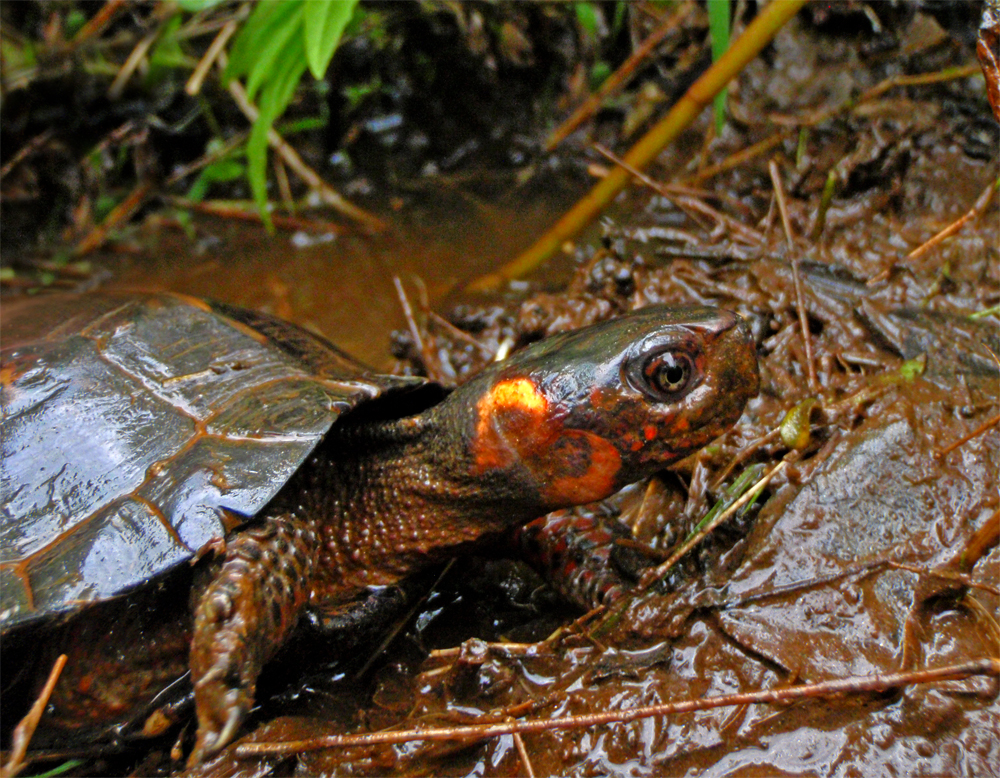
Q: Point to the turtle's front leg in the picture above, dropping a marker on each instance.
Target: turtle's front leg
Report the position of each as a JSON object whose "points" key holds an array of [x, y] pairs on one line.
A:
{"points": [[242, 618]]}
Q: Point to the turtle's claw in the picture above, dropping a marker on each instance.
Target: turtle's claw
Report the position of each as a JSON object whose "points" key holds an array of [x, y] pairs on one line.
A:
{"points": [[209, 742]]}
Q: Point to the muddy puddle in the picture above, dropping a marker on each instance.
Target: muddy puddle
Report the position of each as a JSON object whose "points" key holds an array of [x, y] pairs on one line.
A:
{"points": [[870, 551], [341, 285]]}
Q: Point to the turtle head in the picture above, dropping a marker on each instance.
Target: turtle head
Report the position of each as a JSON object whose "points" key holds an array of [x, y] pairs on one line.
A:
{"points": [[576, 417]]}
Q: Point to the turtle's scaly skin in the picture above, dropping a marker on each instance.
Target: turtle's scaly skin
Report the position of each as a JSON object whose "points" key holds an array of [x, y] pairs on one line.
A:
{"points": [[566, 421]]}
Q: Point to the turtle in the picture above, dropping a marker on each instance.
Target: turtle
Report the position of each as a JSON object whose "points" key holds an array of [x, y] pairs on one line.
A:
{"points": [[185, 482]]}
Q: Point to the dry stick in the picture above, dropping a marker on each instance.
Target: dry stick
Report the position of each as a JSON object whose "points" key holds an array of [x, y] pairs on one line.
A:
{"points": [[948, 575], [281, 174], [824, 114], [878, 684], [294, 161], [227, 211], [523, 753], [574, 627], [658, 572], [745, 48], [642, 178], [206, 159], [920, 79], [131, 63], [966, 438], [817, 117], [193, 85], [739, 158], [26, 726], [779, 193], [617, 80], [120, 213], [761, 147], [692, 206], [411, 322], [744, 454], [982, 540], [461, 335], [99, 22], [26, 150], [951, 229]]}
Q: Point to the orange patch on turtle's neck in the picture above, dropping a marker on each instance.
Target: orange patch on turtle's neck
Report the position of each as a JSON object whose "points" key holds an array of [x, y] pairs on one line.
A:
{"points": [[519, 393], [517, 406], [515, 424]]}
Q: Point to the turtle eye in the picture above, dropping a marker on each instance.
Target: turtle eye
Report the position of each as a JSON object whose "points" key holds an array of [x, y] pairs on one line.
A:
{"points": [[668, 372], [663, 375]]}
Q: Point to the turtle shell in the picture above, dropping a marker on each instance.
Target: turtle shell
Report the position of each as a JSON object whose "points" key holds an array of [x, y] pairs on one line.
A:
{"points": [[138, 429]]}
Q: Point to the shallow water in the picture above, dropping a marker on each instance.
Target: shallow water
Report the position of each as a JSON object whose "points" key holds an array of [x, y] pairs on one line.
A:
{"points": [[342, 285]]}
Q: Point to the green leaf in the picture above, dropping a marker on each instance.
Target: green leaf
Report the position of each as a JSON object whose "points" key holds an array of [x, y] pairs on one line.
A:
{"points": [[58, 770], [193, 6], [275, 96], [267, 20], [282, 44], [718, 28], [303, 125], [218, 172], [599, 73], [279, 40], [74, 22], [586, 16], [323, 23], [167, 52]]}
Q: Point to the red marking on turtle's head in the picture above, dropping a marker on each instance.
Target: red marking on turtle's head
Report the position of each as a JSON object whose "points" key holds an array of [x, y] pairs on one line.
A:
{"points": [[576, 417]]}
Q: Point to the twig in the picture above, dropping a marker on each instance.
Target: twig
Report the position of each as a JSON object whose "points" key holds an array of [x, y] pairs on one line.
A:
{"points": [[948, 575], [98, 22], [281, 174], [227, 211], [822, 115], [26, 150], [120, 213], [411, 323], [982, 540], [955, 226], [206, 159], [656, 186], [617, 80], [919, 79], [523, 753], [739, 158], [966, 438], [652, 576], [25, 728], [193, 85], [131, 63], [692, 206], [877, 684], [779, 193], [462, 335]]}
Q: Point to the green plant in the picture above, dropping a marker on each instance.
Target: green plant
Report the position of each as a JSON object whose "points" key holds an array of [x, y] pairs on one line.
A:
{"points": [[277, 43], [718, 28]]}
